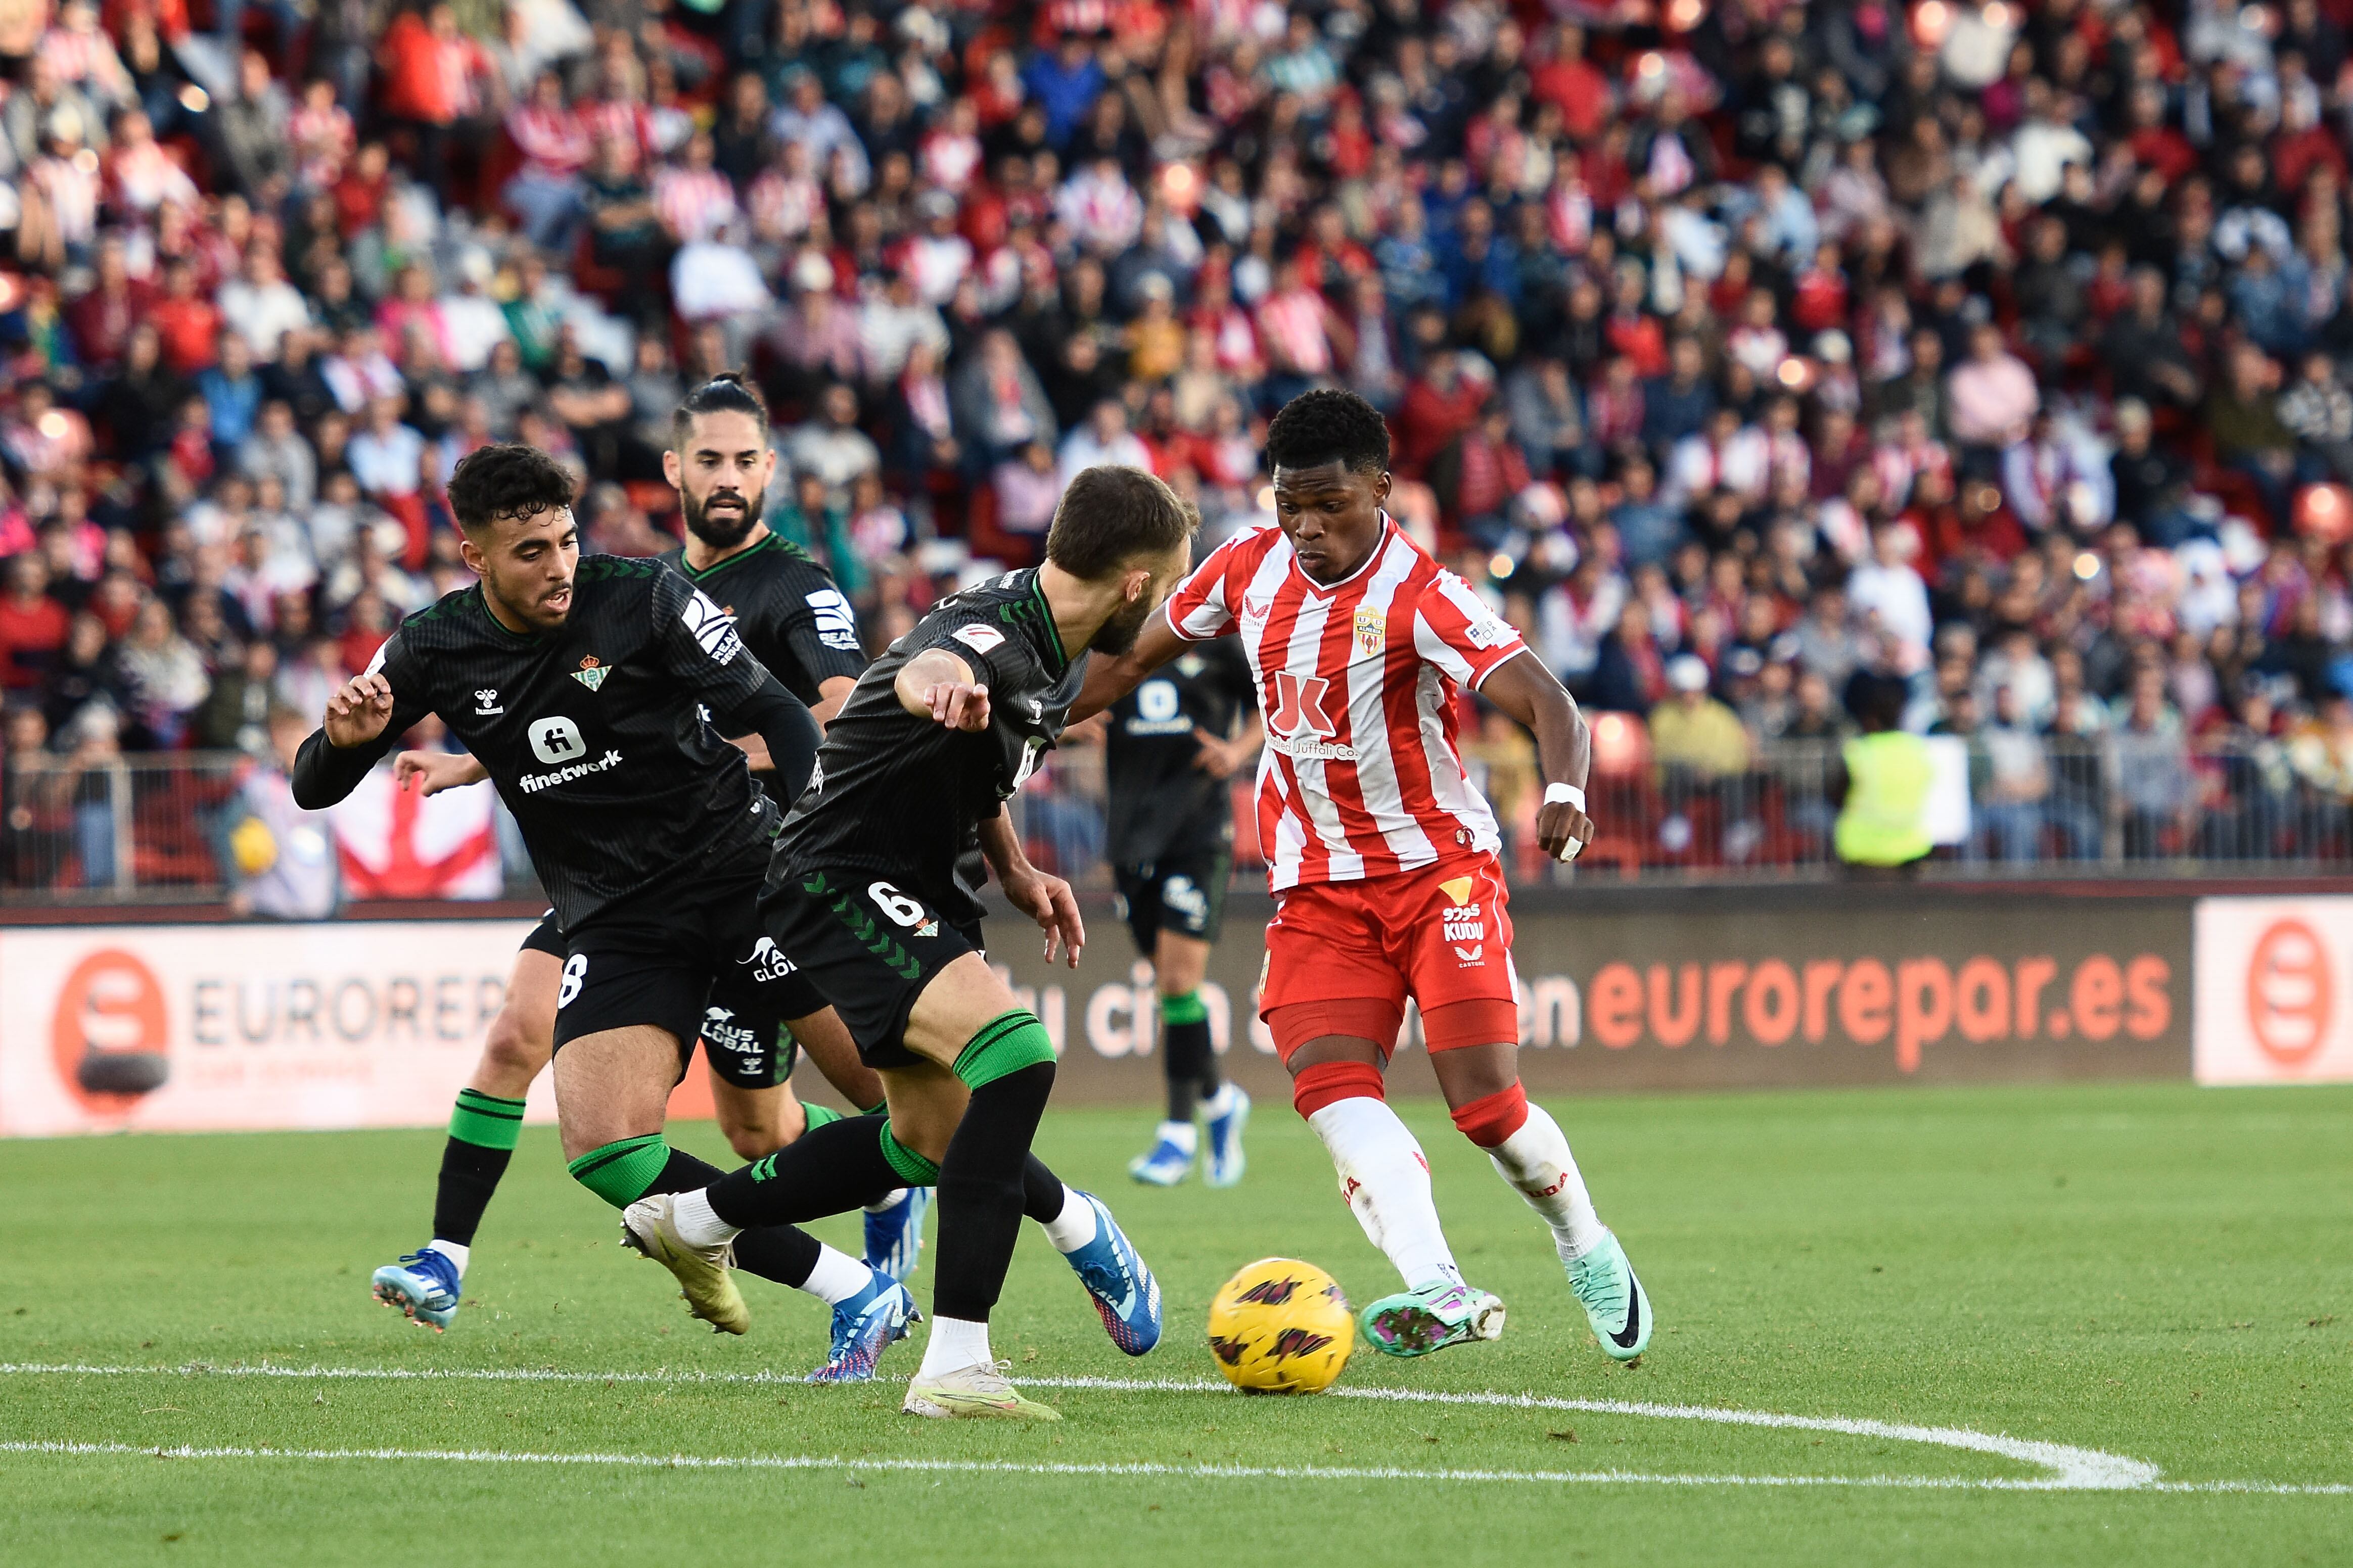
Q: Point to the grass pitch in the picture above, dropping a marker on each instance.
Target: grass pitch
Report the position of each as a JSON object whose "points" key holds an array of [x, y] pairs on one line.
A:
{"points": [[2157, 1274]]}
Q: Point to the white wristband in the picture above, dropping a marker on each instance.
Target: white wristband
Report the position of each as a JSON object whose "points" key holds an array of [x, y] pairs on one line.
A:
{"points": [[1557, 794]]}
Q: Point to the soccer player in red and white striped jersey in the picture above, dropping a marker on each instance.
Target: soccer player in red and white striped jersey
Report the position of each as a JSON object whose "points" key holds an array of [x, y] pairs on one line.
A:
{"points": [[1384, 861]]}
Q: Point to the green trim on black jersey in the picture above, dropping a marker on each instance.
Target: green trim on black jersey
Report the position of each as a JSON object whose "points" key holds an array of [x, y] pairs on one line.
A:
{"points": [[1036, 609], [474, 599], [774, 540]]}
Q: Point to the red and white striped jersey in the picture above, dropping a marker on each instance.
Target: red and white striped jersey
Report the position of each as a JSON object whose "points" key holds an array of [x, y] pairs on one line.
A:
{"points": [[1361, 775]]}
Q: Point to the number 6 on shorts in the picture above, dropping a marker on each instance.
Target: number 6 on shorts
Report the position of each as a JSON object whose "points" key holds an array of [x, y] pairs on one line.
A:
{"points": [[903, 910]]}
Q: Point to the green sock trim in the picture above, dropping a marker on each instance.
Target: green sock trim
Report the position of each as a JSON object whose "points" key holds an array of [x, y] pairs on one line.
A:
{"points": [[620, 1173], [820, 1116], [918, 1171], [486, 1121], [1005, 1044], [1187, 1009]]}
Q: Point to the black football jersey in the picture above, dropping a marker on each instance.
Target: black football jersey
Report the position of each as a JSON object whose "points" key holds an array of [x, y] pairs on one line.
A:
{"points": [[898, 793], [790, 613], [1160, 803], [593, 734]]}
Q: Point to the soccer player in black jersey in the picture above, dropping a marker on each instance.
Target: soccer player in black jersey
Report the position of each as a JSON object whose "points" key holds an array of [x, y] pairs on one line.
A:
{"points": [[862, 891], [1174, 744], [582, 687], [796, 622]]}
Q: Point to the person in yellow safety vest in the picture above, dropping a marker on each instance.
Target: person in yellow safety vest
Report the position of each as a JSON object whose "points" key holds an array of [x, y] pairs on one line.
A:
{"points": [[1882, 821]]}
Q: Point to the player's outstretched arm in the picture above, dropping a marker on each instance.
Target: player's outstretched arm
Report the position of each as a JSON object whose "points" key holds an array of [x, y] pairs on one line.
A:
{"points": [[788, 736], [430, 772], [1522, 686], [1044, 898], [832, 692], [1109, 679], [359, 727], [937, 685]]}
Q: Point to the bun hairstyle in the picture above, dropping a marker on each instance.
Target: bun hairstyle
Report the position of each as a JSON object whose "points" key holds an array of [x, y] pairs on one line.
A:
{"points": [[729, 392]]}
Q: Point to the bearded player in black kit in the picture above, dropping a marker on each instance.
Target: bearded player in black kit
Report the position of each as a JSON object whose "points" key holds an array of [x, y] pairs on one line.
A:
{"points": [[582, 687], [862, 891]]}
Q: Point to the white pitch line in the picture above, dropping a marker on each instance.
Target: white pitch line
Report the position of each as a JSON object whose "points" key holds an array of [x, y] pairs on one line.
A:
{"points": [[1122, 1468], [2070, 1469]]}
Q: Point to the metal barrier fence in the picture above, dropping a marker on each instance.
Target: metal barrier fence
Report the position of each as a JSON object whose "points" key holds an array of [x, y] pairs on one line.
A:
{"points": [[2119, 804], [154, 829]]}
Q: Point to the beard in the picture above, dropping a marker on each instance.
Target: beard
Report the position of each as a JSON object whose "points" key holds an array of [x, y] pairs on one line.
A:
{"points": [[1118, 634], [725, 531]]}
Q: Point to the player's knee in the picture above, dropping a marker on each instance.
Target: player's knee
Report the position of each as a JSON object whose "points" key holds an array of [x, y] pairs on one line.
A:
{"points": [[1326, 1083], [1491, 1119], [757, 1137], [516, 1047]]}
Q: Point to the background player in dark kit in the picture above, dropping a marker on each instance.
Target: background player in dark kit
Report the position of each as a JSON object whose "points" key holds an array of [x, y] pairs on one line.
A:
{"points": [[942, 730], [1173, 746], [581, 685]]}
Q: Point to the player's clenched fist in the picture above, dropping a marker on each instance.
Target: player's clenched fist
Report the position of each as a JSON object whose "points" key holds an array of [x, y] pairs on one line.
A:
{"points": [[1563, 829], [359, 711]]}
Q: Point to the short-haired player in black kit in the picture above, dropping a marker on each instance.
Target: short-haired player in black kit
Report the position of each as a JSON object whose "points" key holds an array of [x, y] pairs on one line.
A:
{"points": [[582, 688], [862, 891], [795, 621], [1173, 745]]}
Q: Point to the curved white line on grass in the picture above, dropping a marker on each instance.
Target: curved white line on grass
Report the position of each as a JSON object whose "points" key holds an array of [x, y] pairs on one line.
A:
{"points": [[2070, 1468], [1127, 1469]]}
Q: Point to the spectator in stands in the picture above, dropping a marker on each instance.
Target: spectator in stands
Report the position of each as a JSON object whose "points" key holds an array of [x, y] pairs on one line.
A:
{"points": [[33, 624], [2149, 761], [2011, 805], [286, 855]]}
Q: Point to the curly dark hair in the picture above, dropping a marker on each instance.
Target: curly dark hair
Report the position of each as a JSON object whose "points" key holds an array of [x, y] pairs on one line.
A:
{"points": [[506, 480], [1328, 425], [729, 392]]}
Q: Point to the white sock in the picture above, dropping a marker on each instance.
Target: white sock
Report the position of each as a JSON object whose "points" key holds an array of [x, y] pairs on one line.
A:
{"points": [[1220, 1103], [698, 1224], [456, 1252], [1535, 1161], [837, 1277], [884, 1205], [1385, 1182], [1075, 1225], [953, 1345], [1184, 1134]]}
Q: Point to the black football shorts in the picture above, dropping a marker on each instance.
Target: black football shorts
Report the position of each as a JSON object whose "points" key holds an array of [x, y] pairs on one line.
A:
{"points": [[698, 966], [868, 948], [1184, 892], [546, 937]]}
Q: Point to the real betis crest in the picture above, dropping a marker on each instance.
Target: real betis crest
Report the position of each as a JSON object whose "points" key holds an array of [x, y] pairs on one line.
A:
{"points": [[592, 674]]}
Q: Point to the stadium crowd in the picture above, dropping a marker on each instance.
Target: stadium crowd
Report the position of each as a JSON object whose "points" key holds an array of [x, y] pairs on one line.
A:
{"points": [[1733, 348]]}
